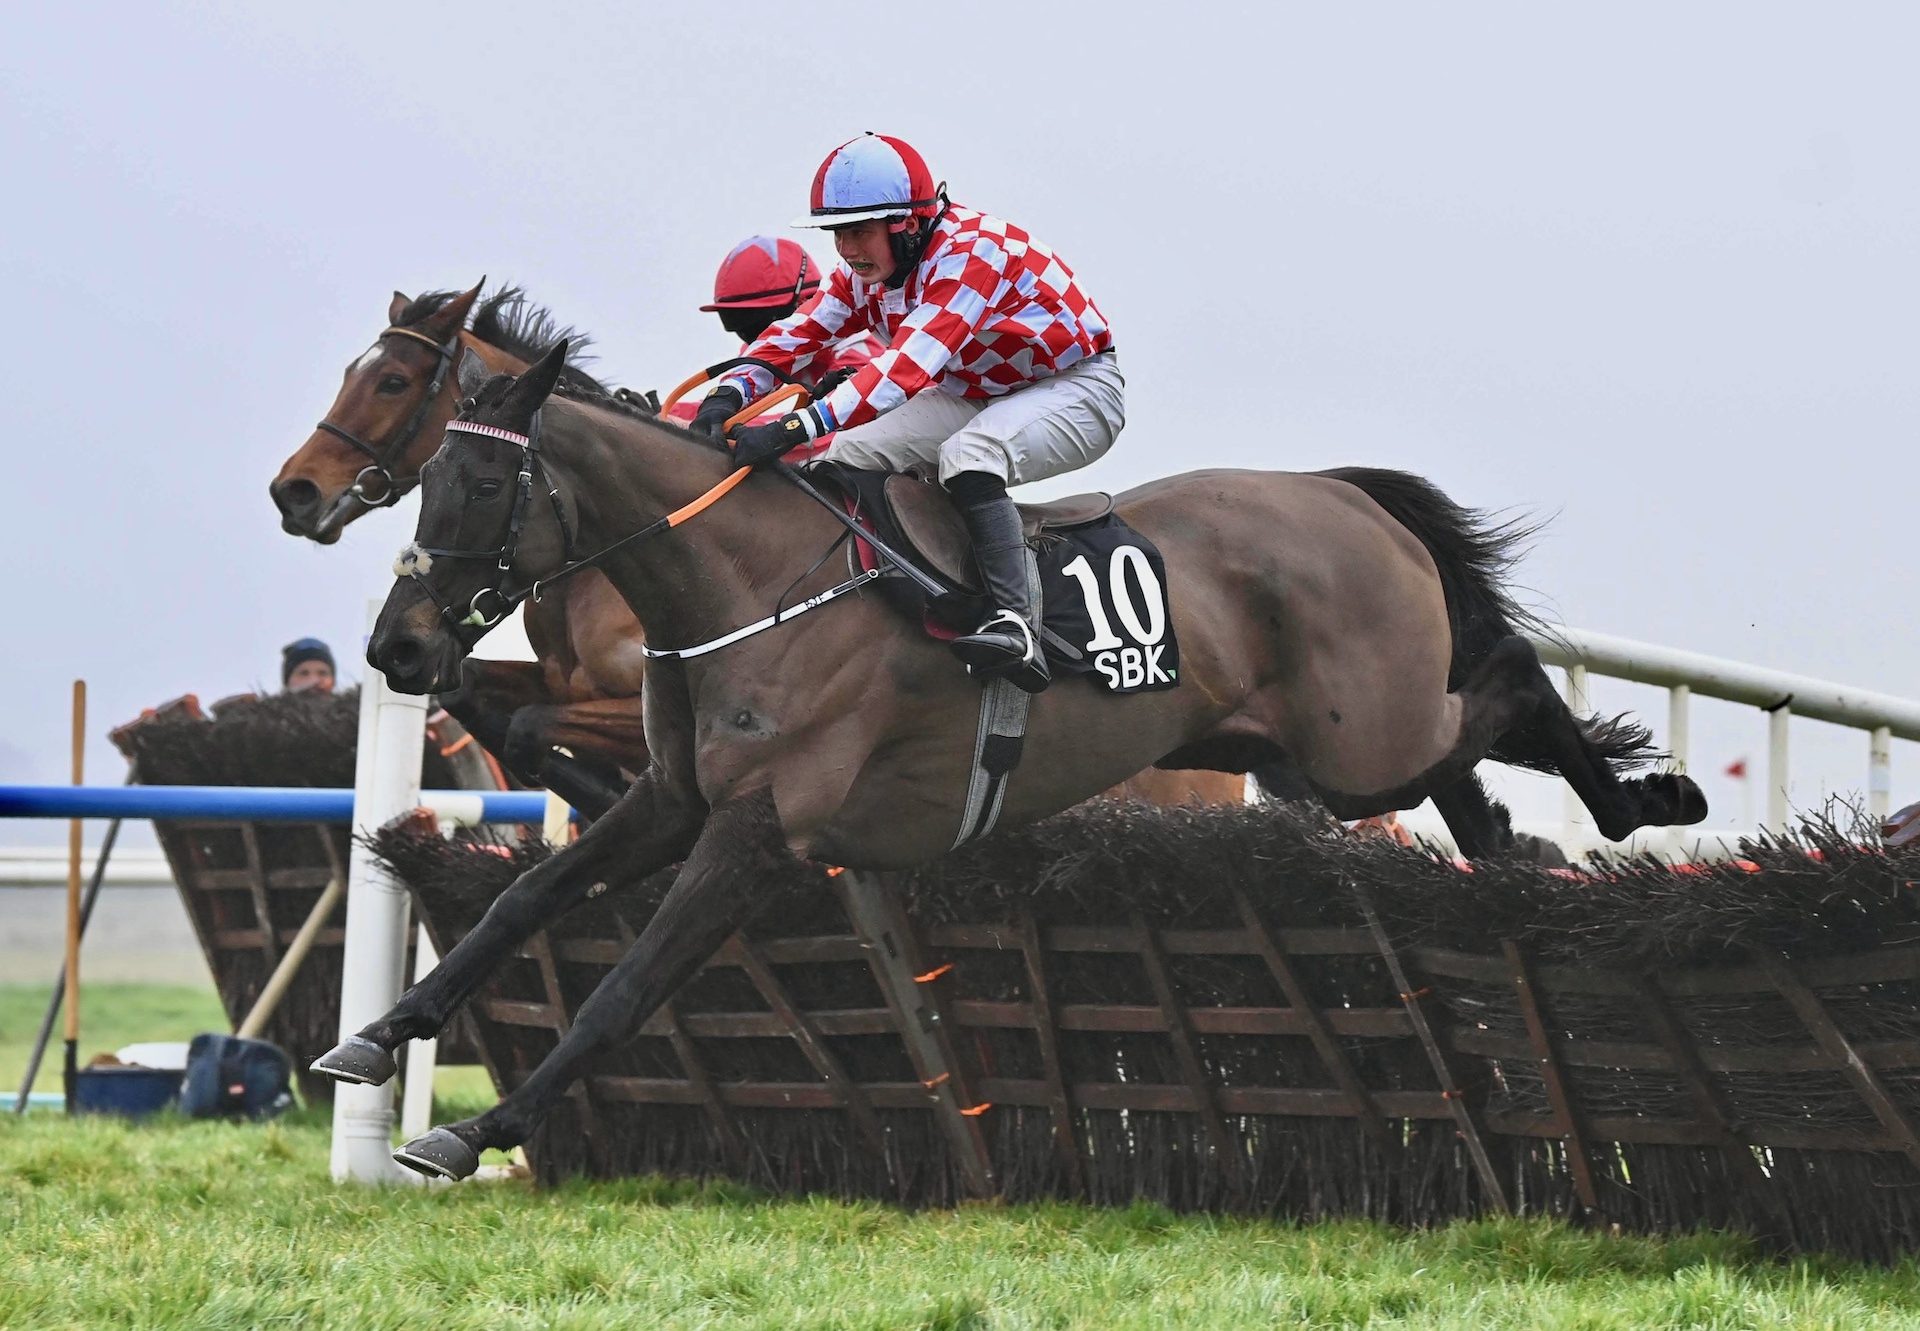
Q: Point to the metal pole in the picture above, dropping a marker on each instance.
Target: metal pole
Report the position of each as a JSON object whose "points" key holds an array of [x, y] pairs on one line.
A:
{"points": [[1777, 720], [55, 1000], [1880, 773], [72, 976], [386, 784]]}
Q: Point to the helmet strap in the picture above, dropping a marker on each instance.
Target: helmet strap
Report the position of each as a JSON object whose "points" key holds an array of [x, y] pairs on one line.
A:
{"points": [[907, 245]]}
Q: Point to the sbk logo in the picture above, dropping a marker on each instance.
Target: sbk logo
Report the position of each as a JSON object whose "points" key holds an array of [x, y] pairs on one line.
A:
{"points": [[1130, 599]]}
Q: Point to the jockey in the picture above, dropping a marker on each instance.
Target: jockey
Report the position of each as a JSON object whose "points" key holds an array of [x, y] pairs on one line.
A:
{"points": [[762, 281], [1000, 369]]}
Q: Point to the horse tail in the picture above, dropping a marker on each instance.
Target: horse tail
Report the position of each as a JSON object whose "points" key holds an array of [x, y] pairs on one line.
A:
{"points": [[1476, 555]]}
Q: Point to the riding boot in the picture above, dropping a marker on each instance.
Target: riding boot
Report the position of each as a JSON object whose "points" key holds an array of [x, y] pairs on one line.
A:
{"points": [[1007, 642]]}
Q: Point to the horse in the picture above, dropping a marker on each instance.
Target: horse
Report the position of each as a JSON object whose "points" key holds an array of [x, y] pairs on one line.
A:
{"points": [[583, 692], [1321, 620]]}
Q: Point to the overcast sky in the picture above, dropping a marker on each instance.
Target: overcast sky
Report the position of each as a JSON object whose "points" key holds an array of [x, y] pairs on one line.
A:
{"points": [[1651, 271]]}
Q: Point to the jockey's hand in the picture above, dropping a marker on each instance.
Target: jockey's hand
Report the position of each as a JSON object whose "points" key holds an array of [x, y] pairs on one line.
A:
{"points": [[755, 444], [829, 381], [715, 408]]}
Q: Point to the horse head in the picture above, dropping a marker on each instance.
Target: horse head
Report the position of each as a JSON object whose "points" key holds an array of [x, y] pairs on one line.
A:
{"points": [[494, 519], [384, 423]]}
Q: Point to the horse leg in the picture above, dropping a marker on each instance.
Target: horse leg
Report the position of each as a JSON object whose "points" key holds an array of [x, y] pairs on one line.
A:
{"points": [[741, 845], [1481, 825], [1495, 699], [1280, 779], [492, 698], [601, 737], [1552, 736], [649, 828], [531, 755]]}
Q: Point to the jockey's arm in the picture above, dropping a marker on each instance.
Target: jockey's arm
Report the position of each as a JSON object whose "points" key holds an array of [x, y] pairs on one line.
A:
{"points": [[799, 341], [953, 305]]}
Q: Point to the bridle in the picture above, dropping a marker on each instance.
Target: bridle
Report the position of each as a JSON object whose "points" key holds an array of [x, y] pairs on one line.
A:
{"points": [[380, 469], [480, 615]]}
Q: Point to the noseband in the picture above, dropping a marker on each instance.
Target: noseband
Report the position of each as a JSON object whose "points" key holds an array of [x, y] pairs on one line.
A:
{"points": [[380, 470]]}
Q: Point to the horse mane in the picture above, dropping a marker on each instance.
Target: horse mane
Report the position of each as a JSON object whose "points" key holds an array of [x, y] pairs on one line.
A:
{"points": [[510, 321]]}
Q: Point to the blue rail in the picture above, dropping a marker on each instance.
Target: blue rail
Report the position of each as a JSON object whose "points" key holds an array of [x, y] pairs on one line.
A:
{"points": [[254, 804]]}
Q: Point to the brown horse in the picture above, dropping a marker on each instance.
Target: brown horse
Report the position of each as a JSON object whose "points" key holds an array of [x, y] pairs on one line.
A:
{"points": [[582, 694], [1320, 619]]}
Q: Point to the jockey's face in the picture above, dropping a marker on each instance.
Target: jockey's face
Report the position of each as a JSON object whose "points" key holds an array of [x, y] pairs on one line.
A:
{"points": [[866, 247]]}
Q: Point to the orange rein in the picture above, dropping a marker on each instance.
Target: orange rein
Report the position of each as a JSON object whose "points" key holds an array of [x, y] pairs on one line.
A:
{"points": [[786, 392]]}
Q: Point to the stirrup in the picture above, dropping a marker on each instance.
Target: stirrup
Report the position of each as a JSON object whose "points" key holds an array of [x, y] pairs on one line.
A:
{"points": [[1004, 646]]}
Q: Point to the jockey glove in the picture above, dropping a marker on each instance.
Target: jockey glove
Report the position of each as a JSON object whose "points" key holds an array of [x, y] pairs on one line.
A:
{"points": [[831, 380], [711, 419], [755, 444]]}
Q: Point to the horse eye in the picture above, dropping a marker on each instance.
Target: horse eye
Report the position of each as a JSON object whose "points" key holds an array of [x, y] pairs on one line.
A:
{"points": [[392, 384], [486, 490]]}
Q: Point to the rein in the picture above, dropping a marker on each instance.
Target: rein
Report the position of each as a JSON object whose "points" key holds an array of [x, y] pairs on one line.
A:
{"points": [[503, 602], [380, 468]]}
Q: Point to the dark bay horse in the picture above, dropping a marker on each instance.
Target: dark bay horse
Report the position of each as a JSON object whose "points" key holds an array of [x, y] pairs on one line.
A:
{"points": [[583, 692], [1321, 619]]}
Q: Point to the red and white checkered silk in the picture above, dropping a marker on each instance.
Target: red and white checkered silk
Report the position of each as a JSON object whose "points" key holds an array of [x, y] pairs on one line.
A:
{"points": [[989, 309]]}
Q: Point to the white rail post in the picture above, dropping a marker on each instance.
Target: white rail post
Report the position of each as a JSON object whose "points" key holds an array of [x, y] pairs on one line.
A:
{"points": [[1577, 819], [1880, 773], [1679, 741], [386, 784], [1777, 772]]}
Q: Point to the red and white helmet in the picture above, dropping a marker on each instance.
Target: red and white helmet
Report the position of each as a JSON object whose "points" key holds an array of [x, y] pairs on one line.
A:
{"points": [[874, 175], [761, 271]]}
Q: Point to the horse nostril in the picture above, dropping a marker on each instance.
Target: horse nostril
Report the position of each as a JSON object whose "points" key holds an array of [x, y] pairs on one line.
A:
{"points": [[402, 657], [295, 498]]}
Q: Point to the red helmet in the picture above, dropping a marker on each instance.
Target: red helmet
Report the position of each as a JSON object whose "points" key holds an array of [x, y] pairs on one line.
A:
{"points": [[761, 271], [874, 175]]}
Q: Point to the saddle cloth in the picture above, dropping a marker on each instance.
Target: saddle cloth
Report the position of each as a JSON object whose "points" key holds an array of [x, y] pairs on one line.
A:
{"points": [[1103, 584]]}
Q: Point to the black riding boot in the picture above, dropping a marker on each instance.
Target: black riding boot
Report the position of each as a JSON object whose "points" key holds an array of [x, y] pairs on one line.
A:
{"points": [[1007, 643]]}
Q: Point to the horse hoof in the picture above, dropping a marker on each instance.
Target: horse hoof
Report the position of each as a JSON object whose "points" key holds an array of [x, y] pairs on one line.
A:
{"points": [[439, 1154], [1689, 803], [357, 1061]]}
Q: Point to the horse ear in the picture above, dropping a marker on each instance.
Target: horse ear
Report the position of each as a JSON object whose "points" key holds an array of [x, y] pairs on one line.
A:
{"points": [[450, 318], [398, 307], [472, 373], [531, 388]]}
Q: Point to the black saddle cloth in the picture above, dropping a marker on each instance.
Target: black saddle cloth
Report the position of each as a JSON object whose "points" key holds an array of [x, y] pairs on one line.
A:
{"points": [[1103, 584]]}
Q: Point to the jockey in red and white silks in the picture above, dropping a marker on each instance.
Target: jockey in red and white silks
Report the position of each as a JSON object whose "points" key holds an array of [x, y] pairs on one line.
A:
{"points": [[999, 370], [762, 281]]}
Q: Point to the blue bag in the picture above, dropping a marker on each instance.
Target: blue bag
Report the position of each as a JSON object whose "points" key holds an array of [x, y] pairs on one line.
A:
{"points": [[228, 1077]]}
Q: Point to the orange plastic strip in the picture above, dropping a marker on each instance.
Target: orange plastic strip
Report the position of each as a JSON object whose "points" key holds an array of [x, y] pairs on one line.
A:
{"points": [[787, 392], [933, 974], [687, 385], [977, 1110]]}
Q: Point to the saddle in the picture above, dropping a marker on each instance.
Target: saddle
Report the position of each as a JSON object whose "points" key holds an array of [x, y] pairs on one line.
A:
{"points": [[921, 516]]}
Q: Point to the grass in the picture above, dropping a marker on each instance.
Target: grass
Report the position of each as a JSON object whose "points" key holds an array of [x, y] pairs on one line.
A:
{"points": [[172, 1223], [112, 1015]]}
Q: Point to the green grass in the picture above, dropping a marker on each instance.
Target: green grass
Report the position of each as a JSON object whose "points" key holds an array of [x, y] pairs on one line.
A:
{"points": [[172, 1223], [111, 1015]]}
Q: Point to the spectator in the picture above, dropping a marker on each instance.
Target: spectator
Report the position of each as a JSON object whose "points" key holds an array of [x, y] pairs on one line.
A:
{"points": [[306, 665]]}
